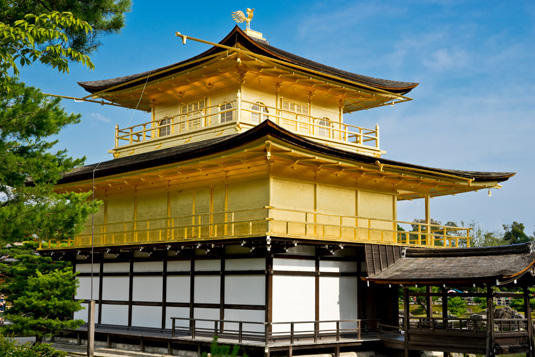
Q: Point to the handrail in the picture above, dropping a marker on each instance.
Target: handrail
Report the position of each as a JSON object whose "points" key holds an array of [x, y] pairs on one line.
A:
{"points": [[265, 221], [503, 326], [210, 118], [265, 330]]}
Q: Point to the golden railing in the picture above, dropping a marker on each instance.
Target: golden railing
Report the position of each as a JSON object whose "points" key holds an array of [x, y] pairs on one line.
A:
{"points": [[212, 117], [267, 221]]}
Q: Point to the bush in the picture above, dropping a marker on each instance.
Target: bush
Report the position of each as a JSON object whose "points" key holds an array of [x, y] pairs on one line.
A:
{"points": [[10, 348]]}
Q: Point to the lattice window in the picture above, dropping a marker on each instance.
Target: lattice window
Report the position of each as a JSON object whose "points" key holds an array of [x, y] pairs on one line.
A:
{"points": [[227, 114], [165, 126], [190, 115], [324, 125], [259, 112]]}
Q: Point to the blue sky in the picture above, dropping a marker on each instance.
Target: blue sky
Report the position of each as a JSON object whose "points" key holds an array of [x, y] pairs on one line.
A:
{"points": [[473, 110]]}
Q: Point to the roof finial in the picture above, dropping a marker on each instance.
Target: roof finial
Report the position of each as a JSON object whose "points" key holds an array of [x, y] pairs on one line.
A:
{"points": [[239, 17]]}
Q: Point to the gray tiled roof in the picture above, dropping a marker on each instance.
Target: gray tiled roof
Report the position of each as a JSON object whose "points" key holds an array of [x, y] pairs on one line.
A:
{"points": [[259, 47], [421, 266]]}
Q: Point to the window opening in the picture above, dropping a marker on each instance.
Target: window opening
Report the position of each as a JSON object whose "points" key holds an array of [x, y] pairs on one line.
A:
{"points": [[324, 124], [227, 114], [165, 126], [259, 113]]}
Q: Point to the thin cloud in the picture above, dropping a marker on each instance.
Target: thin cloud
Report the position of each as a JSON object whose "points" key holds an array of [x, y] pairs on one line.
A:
{"points": [[100, 117]]}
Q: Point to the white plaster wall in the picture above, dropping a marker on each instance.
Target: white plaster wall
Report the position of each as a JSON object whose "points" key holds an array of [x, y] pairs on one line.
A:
{"points": [[178, 288], [115, 314], [338, 267], [116, 268], [294, 264], [86, 268], [115, 288], [209, 314], [338, 300], [293, 300], [245, 264], [142, 267], [84, 290], [208, 265], [178, 265], [245, 289], [176, 312], [83, 314], [245, 316], [147, 288], [147, 316], [207, 289]]}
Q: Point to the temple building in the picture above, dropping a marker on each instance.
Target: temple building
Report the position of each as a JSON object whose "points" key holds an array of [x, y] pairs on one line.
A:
{"points": [[247, 208]]}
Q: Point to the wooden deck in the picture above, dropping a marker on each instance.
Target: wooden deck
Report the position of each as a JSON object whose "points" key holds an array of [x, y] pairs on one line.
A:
{"points": [[253, 346], [457, 340]]}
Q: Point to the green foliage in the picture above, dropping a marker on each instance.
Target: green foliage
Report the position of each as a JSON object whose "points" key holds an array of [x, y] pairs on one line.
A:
{"points": [[217, 350], [514, 234], [27, 118], [11, 348], [104, 16], [457, 306], [518, 304], [42, 303], [23, 42]]}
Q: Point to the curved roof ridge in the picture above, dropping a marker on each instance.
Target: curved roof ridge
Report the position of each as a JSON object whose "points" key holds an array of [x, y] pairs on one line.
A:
{"points": [[254, 45]]}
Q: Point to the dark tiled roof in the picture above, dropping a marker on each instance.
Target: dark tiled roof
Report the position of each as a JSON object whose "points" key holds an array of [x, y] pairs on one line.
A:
{"points": [[267, 128], [259, 47], [459, 265]]}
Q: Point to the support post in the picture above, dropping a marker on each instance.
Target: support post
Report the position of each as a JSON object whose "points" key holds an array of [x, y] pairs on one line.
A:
{"points": [[490, 323], [91, 329], [406, 320], [529, 327], [429, 302]]}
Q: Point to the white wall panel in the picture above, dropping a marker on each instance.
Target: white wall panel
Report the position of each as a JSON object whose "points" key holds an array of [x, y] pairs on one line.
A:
{"points": [[147, 316], [142, 267], [338, 300], [179, 265], [208, 265], [294, 264], [115, 288], [115, 314], [245, 289], [84, 290], [208, 314], [147, 288], [86, 268], [245, 264], [207, 289], [246, 316], [293, 300], [83, 314], [176, 312], [178, 288], [333, 266], [116, 267]]}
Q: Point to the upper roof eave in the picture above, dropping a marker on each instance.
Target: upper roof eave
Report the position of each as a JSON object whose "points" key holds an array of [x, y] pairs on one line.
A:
{"points": [[257, 46]]}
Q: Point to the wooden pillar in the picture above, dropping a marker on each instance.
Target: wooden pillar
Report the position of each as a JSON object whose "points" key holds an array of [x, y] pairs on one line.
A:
{"points": [[406, 319], [429, 302], [91, 329], [444, 304], [428, 238], [490, 323], [527, 309]]}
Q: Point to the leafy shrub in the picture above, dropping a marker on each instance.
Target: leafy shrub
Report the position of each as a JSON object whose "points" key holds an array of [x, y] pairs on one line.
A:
{"points": [[10, 348]]}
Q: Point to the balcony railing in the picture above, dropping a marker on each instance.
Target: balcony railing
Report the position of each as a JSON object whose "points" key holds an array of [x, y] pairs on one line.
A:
{"points": [[267, 221], [270, 332], [213, 117]]}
